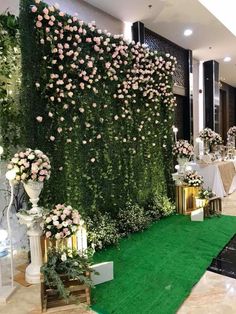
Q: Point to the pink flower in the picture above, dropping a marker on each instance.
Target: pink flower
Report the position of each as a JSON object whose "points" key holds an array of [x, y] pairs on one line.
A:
{"points": [[48, 234], [81, 85], [45, 11], [34, 9], [39, 118], [90, 64], [107, 65], [39, 24], [96, 48], [41, 178]]}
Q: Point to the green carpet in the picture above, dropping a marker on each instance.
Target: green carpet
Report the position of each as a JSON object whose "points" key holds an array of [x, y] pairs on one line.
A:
{"points": [[156, 270]]}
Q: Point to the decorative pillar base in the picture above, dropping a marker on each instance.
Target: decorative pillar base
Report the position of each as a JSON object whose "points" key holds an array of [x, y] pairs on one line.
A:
{"points": [[32, 273]]}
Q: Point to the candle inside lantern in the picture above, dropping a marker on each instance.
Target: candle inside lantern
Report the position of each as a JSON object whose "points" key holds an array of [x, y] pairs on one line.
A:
{"points": [[200, 147]]}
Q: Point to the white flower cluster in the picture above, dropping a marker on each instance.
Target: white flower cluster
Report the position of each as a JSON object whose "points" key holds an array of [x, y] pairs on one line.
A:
{"points": [[61, 222], [182, 148], [210, 136], [31, 165], [232, 131], [192, 178]]}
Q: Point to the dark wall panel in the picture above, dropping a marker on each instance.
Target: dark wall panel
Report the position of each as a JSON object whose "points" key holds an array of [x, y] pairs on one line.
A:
{"points": [[162, 44]]}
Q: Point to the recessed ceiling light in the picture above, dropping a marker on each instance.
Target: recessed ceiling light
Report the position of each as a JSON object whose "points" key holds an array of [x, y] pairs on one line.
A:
{"points": [[227, 59], [188, 32]]}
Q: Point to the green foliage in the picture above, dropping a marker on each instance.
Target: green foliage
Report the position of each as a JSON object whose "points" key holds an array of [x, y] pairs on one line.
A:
{"points": [[132, 219], [10, 74], [166, 206], [158, 206], [66, 264], [205, 194], [102, 231]]}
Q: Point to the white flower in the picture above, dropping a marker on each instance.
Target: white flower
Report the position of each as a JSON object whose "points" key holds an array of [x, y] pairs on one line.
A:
{"points": [[64, 223], [63, 257], [39, 119], [48, 219], [58, 235]]}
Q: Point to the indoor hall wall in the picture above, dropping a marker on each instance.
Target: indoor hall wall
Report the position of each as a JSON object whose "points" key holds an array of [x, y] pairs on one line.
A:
{"points": [[85, 12]]}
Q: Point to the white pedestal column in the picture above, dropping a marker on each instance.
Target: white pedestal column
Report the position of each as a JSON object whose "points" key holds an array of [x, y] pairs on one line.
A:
{"points": [[32, 273]]}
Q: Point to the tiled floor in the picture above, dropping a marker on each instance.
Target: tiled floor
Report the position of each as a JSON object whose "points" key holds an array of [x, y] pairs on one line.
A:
{"points": [[214, 293]]}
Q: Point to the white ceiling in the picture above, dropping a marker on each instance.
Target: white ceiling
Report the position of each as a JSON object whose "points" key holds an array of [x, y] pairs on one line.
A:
{"points": [[211, 40]]}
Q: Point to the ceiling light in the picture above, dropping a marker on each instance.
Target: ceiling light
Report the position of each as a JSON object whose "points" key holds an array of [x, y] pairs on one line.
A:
{"points": [[188, 32], [227, 59]]}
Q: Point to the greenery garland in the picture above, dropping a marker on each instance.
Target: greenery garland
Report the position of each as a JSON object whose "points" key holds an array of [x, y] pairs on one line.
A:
{"points": [[10, 112], [100, 107]]}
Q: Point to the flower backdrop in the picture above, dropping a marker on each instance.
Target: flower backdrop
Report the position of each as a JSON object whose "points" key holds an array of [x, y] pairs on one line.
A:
{"points": [[99, 107]]}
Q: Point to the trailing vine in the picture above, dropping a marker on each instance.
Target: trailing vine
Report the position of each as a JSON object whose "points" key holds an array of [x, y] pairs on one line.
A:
{"points": [[10, 74]]}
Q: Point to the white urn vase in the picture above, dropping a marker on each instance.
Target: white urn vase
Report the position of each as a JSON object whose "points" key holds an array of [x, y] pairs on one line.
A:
{"points": [[33, 189], [182, 162]]}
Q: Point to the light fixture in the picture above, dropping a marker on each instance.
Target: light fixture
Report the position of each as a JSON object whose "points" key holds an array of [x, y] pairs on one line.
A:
{"points": [[227, 59], [188, 32], [11, 174], [6, 291]]}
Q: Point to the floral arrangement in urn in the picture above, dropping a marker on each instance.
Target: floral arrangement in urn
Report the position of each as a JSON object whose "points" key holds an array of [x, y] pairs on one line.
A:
{"points": [[192, 178], [210, 136], [62, 222], [30, 165], [232, 132], [182, 149]]}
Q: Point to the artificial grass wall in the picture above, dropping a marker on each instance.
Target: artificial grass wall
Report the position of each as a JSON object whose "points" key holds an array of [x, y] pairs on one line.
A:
{"points": [[156, 270]]}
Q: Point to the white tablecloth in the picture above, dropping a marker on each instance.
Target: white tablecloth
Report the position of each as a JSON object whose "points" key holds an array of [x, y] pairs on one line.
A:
{"points": [[212, 178]]}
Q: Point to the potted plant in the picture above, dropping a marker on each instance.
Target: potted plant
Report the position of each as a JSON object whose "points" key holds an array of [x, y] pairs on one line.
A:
{"points": [[203, 197], [59, 228], [183, 152], [210, 139], [192, 178], [66, 278], [32, 168]]}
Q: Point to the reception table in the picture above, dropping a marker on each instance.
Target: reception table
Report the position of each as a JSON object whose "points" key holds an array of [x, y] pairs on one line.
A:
{"points": [[220, 177]]}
